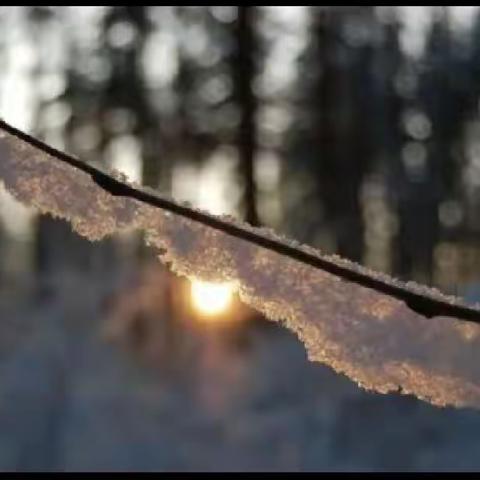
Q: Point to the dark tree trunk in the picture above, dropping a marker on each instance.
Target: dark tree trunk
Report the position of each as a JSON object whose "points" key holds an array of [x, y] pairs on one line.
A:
{"points": [[244, 71]]}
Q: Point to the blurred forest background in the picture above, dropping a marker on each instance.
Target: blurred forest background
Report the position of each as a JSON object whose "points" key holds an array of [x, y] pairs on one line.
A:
{"points": [[352, 129]]}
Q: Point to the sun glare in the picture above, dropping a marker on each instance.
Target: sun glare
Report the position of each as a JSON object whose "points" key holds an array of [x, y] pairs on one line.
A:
{"points": [[211, 298]]}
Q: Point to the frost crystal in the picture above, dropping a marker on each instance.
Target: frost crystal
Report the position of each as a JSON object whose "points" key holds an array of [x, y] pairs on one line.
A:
{"points": [[372, 337]]}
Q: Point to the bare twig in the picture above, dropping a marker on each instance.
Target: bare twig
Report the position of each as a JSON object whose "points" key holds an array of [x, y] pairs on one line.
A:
{"points": [[427, 304]]}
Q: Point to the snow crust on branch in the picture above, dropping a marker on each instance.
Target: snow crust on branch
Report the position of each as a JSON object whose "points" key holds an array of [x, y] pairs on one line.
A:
{"points": [[375, 339]]}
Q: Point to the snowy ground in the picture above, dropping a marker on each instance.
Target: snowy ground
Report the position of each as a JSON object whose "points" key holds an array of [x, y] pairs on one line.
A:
{"points": [[70, 400]]}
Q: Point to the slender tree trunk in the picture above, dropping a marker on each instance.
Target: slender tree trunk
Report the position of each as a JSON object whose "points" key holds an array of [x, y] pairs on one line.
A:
{"points": [[244, 73]]}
